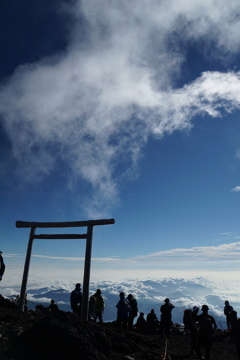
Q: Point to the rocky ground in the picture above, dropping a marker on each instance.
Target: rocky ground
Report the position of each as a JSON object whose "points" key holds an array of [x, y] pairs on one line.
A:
{"points": [[35, 335]]}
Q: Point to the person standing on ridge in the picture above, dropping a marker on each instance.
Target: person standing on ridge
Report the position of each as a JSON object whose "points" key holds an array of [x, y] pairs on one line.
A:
{"points": [[2, 266], [166, 317], [227, 311], [133, 310], [76, 299], [99, 305], [206, 325], [189, 321], [235, 331], [123, 309]]}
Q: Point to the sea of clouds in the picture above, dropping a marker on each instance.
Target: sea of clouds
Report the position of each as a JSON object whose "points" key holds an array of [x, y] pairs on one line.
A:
{"points": [[150, 294]]}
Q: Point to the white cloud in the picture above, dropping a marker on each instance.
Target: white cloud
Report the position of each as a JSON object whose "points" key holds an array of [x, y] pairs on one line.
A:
{"points": [[150, 293], [94, 106], [219, 253], [236, 189]]}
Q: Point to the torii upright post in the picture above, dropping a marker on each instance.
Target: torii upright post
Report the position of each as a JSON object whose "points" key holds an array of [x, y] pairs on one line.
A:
{"points": [[86, 279], [22, 298]]}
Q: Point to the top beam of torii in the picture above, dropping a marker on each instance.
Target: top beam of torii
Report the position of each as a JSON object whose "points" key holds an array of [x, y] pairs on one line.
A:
{"points": [[34, 224]]}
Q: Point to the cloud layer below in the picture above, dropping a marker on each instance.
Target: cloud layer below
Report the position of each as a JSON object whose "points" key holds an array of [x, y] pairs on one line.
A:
{"points": [[183, 292]]}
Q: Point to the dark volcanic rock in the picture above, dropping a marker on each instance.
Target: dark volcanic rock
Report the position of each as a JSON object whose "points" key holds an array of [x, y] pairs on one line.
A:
{"points": [[35, 335], [61, 336]]}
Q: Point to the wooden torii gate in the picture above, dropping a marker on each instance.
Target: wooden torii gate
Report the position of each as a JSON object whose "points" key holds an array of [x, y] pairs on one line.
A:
{"points": [[87, 265]]}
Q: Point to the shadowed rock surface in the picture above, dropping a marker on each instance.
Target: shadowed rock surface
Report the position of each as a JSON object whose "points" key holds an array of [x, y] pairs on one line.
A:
{"points": [[37, 335]]}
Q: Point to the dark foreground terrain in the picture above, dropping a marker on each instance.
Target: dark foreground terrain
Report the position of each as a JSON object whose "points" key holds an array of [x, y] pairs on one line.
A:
{"points": [[34, 335]]}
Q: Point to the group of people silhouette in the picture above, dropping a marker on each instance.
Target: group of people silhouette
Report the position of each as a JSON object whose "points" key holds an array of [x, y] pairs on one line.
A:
{"points": [[96, 304], [200, 326]]}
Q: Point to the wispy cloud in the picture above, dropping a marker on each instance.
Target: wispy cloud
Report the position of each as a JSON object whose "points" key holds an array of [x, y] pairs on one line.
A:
{"points": [[236, 189], [96, 105], [78, 259], [206, 253], [223, 252]]}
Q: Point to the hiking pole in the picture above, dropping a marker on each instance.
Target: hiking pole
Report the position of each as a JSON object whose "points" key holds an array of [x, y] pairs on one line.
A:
{"points": [[221, 325], [166, 356]]}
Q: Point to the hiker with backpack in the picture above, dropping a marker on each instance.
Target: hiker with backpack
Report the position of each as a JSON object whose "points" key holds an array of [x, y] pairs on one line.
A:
{"points": [[206, 325], [133, 310], [123, 309], [2, 266], [189, 322]]}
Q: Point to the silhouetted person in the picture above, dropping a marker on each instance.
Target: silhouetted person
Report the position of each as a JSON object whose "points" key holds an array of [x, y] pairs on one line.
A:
{"points": [[189, 321], [152, 320], [53, 307], [235, 331], [166, 317], [206, 325], [99, 305], [227, 311], [2, 266], [76, 299], [133, 310], [123, 309], [141, 323], [91, 309], [195, 310]]}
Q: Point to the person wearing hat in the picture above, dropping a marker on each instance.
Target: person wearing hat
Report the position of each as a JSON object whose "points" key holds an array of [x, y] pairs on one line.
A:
{"points": [[2, 266], [206, 325], [76, 299], [166, 317]]}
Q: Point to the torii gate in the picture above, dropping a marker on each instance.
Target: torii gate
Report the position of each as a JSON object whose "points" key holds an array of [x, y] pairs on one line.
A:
{"points": [[87, 265]]}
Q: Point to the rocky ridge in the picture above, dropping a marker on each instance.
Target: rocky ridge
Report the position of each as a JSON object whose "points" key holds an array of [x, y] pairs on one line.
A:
{"points": [[35, 335]]}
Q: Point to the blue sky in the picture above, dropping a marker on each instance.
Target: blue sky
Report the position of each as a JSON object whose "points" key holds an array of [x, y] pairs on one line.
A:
{"points": [[125, 110]]}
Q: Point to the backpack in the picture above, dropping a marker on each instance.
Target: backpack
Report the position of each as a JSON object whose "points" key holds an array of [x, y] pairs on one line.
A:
{"points": [[187, 319], [126, 307], [133, 306]]}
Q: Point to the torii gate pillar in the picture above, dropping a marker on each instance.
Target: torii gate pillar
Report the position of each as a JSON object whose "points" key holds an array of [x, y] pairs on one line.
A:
{"points": [[86, 279]]}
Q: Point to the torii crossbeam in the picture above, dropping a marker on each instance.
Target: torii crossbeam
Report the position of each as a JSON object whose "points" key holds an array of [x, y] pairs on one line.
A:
{"points": [[88, 236]]}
